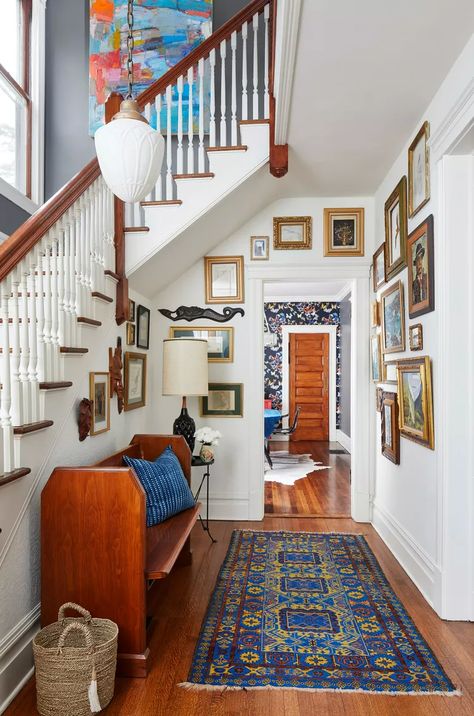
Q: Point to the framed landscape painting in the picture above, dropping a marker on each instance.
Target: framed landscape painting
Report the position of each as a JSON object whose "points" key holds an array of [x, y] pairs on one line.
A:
{"points": [[420, 249], [344, 232], [415, 394], [419, 170], [220, 341], [396, 230], [378, 268], [376, 358], [292, 232], [393, 319], [390, 428]]}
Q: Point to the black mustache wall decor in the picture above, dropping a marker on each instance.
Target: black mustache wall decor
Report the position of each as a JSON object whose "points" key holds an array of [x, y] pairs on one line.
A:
{"points": [[194, 313]]}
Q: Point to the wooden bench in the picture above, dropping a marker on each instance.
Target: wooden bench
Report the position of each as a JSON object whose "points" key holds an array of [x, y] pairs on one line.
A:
{"points": [[97, 551]]}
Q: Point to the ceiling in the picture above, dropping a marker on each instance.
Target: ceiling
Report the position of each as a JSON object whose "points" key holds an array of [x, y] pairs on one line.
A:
{"points": [[365, 72]]}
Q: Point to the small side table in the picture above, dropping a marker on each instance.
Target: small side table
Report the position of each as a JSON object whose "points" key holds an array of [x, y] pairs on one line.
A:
{"points": [[196, 461]]}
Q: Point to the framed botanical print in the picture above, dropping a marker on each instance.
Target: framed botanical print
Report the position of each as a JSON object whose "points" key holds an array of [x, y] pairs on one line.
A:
{"points": [[390, 428], [378, 399], [131, 310], [378, 268], [376, 358], [220, 341], [259, 248], [415, 334], [419, 170], [374, 314], [134, 389], [396, 230], [292, 232], [99, 393], [143, 327], [224, 279], [393, 319], [344, 232], [415, 395], [420, 249], [224, 400], [130, 334]]}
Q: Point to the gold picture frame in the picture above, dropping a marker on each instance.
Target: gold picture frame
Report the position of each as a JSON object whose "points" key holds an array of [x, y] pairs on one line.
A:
{"points": [[392, 310], [390, 433], [415, 395], [259, 248], [99, 393], [292, 233], [130, 338], [389, 371], [223, 353], [378, 268], [415, 335], [396, 230], [134, 383], [376, 358], [419, 170], [344, 232], [224, 279], [375, 314]]}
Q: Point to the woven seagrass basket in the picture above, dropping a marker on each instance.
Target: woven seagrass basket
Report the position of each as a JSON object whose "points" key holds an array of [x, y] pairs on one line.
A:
{"points": [[75, 662]]}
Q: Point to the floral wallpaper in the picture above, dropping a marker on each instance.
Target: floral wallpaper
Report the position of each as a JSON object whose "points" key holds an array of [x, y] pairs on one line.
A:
{"points": [[298, 314]]}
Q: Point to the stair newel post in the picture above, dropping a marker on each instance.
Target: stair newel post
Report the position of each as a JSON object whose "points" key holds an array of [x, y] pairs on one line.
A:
{"points": [[6, 421], [245, 105], [55, 304], [24, 345], [255, 112], [223, 125], [33, 329], [17, 398], [179, 154], [159, 182], [169, 141], [48, 320], [39, 290], [201, 153], [190, 122], [266, 93], [233, 121], [212, 100]]}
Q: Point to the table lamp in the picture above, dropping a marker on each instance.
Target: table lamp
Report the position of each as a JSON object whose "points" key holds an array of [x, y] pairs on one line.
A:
{"points": [[185, 373]]}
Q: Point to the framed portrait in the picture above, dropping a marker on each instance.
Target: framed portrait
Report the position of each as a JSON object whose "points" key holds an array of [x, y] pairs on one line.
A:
{"points": [[374, 314], [259, 248], [143, 327], [134, 388], [224, 279], [378, 268], [224, 400], [390, 428], [292, 232], [415, 334], [99, 393], [376, 358], [343, 232], [393, 319], [415, 395], [130, 334], [420, 249], [389, 371], [419, 170], [396, 230], [220, 341], [378, 399], [131, 310]]}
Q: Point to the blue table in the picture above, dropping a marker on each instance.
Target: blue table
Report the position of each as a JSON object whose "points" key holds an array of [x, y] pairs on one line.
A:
{"points": [[271, 418]]}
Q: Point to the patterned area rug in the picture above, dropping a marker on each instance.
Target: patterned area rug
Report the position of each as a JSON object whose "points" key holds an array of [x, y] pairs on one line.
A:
{"points": [[310, 611], [287, 468]]}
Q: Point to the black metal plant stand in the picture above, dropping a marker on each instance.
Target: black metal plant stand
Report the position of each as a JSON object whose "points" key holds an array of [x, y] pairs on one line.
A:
{"points": [[196, 461]]}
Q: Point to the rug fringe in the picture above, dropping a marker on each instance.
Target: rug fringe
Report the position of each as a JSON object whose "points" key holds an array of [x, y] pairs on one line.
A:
{"points": [[212, 687]]}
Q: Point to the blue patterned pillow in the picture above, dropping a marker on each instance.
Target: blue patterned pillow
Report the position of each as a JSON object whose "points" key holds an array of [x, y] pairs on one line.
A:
{"points": [[167, 491]]}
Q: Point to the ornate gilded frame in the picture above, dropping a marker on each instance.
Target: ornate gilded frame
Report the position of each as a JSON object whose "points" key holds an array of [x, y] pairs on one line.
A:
{"points": [[357, 215], [397, 286], [304, 221], [421, 364]]}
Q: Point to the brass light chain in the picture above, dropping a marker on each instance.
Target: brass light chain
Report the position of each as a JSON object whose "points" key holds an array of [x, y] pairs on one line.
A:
{"points": [[130, 46]]}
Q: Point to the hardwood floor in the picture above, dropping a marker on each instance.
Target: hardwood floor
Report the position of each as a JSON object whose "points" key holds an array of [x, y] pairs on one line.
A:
{"points": [[181, 608], [324, 493]]}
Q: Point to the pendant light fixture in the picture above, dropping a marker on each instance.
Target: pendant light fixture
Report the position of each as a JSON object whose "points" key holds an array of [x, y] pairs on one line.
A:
{"points": [[129, 151]]}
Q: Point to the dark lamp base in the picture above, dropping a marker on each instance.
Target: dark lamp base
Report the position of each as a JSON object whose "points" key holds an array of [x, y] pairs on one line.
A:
{"points": [[184, 425]]}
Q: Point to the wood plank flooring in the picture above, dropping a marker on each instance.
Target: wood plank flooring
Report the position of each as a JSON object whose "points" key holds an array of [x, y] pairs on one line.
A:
{"points": [[324, 493], [181, 608]]}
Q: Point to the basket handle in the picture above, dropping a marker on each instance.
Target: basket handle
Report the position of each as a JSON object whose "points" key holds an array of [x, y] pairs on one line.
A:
{"points": [[77, 608], [76, 626]]}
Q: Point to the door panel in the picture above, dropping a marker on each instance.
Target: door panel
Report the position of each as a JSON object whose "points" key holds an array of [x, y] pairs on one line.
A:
{"points": [[309, 381]]}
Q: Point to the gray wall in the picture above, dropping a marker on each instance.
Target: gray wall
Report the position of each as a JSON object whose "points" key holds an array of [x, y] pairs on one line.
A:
{"points": [[11, 216], [345, 322]]}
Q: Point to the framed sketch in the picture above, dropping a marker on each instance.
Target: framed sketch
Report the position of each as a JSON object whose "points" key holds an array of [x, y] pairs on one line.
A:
{"points": [[415, 334], [344, 232], [420, 249], [375, 314], [390, 428], [396, 230], [376, 358], [224, 400], [419, 170], [389, 371], [415, 394], [130, 334], [393, 319], [134, 389], [259, 248], [292, 232], [131, 310], [378, 399], [99, 393], [378, 268], [224, 279], [220, 341], [143, 327]]}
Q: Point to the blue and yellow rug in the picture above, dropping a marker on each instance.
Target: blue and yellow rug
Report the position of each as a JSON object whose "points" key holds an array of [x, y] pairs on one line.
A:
{"points": [[310, 611]]}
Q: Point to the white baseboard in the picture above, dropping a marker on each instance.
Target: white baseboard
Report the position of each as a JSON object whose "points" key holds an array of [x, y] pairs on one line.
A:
{"points": [[226, 508], [343, 439], [414, 560], [16, 657]]}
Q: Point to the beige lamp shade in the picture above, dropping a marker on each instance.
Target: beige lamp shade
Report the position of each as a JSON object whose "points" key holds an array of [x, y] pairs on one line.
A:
{"points": [[185, 367]]}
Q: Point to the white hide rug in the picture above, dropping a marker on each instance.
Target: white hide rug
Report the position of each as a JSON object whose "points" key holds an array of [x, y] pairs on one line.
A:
{"points": [[288, 468]]}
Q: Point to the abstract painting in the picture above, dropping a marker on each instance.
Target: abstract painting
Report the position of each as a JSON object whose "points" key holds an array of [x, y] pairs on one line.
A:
{"points": [[165, 31]]}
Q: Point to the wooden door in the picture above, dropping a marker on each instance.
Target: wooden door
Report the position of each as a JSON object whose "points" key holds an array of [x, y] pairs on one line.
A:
{"points": [[309, 380]]}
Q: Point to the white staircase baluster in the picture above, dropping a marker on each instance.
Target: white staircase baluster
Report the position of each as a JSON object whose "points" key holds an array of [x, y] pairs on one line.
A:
{"points": [[39, 290], [74, 272], [5, 377], [190, 122], [147, 113], [24, 346], [66, 336], [55, 306], [233, 121], [16, 393], [33, 329], [179, 154], [95, 237], [255, 66], [201, 154], [48, 320], [159, 183], [169, 141], [266, 94], [245, 106], [90, 235], [223, 126], [111, 231], [212, 100]]}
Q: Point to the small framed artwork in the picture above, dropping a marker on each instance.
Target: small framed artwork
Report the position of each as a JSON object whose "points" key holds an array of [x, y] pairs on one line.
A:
{"points": [[376, 357], [375, 314], [259, 248], [224, 400], [390, 428], [343, 232], [393, 319], [130, 334], [378, 399], [419, 170], [420, 249], [415, 334], [224, 279], [415, 394], [396, 230], [220, 341], [292, 232], [134, 389], [378, 268], [143, 327], [131, 310], [389, 371], [99, 393]]}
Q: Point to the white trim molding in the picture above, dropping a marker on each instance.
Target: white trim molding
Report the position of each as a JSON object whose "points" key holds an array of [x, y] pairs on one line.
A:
{"points": [[343, 440], [16, 197], [16, 657], [288, 20]]}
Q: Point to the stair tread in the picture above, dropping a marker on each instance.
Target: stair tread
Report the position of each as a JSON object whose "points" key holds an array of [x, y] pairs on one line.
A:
{"points": [[166, 202], [112, 274], [102, 296], [239, 148], [202, 175], [68, 349], [254, 121], [31, 427], [55, 385], [7, 477], [136, 228], [89, 321]]}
